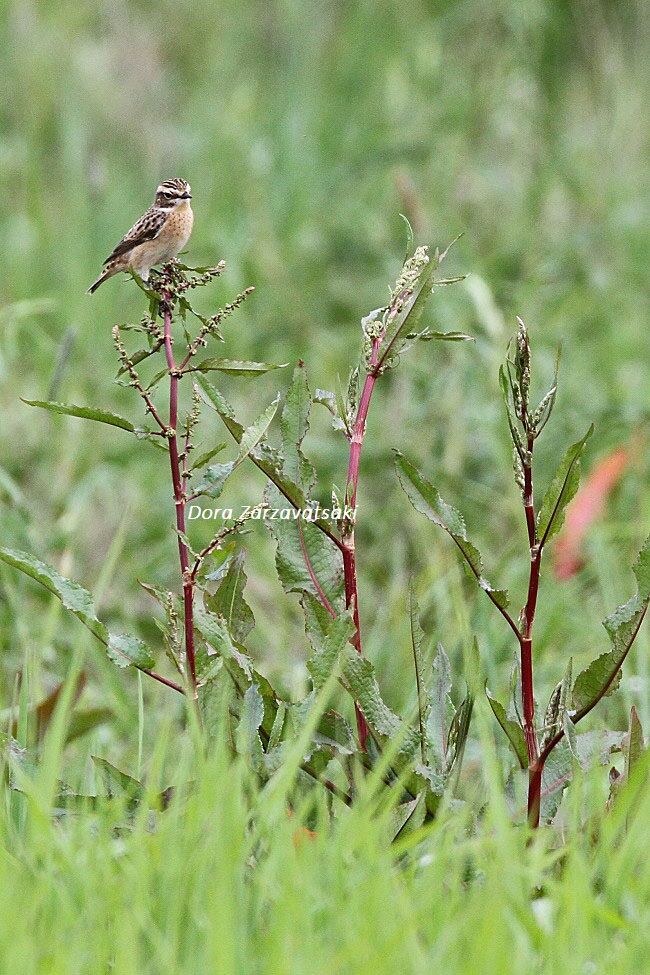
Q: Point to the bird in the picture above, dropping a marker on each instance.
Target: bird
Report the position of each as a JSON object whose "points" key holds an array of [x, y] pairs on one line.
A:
{"points": [[158, 236]]}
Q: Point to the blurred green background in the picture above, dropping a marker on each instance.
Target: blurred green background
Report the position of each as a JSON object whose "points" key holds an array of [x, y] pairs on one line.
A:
{"points": [[305, 129]]}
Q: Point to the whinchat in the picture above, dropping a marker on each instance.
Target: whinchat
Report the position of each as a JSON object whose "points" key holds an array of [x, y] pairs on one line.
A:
{"points": [[158, 236]]}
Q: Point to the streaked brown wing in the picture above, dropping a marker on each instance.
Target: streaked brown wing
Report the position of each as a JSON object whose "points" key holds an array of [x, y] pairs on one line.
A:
{"points": [[147, 227]]}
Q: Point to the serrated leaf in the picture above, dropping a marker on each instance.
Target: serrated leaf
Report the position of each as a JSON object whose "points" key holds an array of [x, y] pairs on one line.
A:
{"points": [[359, 676], [560, 491], [228, 601], [85, 412], [235, 367], [513, 730], [425, 498]]}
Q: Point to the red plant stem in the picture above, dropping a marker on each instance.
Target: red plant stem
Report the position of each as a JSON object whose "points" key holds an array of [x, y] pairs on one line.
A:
{"points": [[535, 768], [352, 481], [162, 680], [179, 497]]}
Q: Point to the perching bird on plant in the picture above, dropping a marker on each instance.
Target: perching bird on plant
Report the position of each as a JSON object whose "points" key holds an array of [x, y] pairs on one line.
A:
{"points": [[158, 236]]}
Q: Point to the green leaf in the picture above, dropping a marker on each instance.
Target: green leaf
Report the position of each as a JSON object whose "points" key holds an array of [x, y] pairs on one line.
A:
{"points": [[558, 705], [87, 719], [359, 676], [458, 732], [216, 475], [635, 745], [72, 595], [86, 412], [214, 630], [429, 336], [439, 710], [235, 367], [321, 663], [228, 601], [417, 639], [203, 458], [406, 323], [247, 737], [560, 491], [505, 385], [542, 413], [425, 498], [114, 779], [294, 424], [514, 731], [602, 676], [263, 456], [125, 650], [558, 772], [122, 649], [328, 399], [301, 547]]}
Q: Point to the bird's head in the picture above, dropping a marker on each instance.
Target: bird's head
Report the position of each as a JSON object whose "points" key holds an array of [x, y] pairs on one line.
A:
{"points": [[172, 193]]}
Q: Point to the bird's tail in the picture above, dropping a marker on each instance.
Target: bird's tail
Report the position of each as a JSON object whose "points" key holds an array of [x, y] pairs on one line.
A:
{"points": [[104, 276]]}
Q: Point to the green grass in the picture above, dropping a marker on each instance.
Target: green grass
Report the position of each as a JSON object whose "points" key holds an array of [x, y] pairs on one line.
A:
{"points": [[305, 129]]}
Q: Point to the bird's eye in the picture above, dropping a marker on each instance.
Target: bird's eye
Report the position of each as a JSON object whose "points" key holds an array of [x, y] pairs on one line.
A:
{"points": [[168, 196]]}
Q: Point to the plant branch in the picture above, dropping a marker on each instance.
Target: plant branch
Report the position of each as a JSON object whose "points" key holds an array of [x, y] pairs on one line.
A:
{"points": [[179, 494], [352, 481]]}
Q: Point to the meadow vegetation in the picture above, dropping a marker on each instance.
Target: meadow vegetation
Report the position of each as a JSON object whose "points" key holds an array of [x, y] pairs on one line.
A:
{"points": [[305, 131]]}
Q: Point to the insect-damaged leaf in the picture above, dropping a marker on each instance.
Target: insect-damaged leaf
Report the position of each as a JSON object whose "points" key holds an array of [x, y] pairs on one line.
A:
{"points": [[561, 490], [122, 649], [602, 675], [514, 731], [425, 498]]}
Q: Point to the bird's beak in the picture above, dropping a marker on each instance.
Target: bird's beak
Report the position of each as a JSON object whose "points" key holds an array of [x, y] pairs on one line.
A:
{"points": [[186, 196]]}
